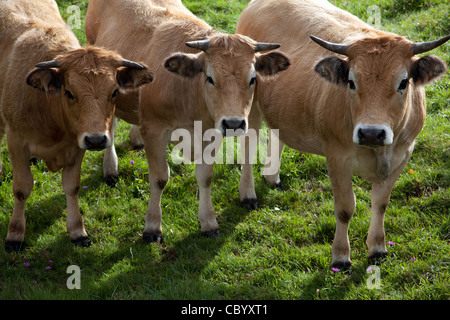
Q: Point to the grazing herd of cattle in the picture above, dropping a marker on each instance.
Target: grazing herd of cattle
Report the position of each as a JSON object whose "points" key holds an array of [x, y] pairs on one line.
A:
{"points": [[342, 90]]}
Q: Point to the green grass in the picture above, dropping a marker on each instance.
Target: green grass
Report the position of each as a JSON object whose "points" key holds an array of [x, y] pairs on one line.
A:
{"points": [[281, 251]]}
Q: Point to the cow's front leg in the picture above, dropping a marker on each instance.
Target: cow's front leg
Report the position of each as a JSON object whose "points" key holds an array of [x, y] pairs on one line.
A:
{"points": [[22, 187], [71, 187], [155, 142], [381, 193], [110, 160], [206, 214], [340, 173]]}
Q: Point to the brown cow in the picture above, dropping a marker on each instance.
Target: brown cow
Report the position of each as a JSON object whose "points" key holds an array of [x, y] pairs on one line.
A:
{"points": [[58, 109], [361, 107], [212, 81]]}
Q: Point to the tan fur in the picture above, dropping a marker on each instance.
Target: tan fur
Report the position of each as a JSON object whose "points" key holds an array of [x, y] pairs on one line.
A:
{"points": [[41, 120], [316, 116], [152, 31]]}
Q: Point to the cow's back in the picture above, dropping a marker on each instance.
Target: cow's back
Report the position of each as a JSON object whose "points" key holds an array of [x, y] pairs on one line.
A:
{"points": [[149, 31], [31, 32], [128, 25]]}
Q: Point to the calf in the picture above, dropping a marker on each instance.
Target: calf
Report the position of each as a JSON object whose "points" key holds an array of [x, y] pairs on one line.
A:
{"points": [[57, 100], [358, 100], [212, 79]]}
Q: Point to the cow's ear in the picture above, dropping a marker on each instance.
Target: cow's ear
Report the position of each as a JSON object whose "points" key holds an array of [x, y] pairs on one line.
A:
{"points": [[185, 64], [47, 80], [271, 63], [333, 69], [131, 77], [426, 69]]}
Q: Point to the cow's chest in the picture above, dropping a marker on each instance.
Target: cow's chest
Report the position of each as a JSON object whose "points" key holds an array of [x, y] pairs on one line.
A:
{"points": [[376, 165], [56, 156]]}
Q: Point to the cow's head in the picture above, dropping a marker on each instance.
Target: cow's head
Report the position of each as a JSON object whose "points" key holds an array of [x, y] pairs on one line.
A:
{"points": [[86, 83], [380, 74], [227, 66]]}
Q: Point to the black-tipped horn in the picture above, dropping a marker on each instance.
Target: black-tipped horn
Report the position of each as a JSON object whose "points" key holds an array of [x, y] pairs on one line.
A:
{"points": [[132, 64], [48, 64], [333, 47], [261, 46], [427, 46], [200, 44]]}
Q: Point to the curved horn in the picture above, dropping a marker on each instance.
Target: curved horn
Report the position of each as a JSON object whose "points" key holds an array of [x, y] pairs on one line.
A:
{"points": [[200, 44], [48, 64], [261, 46], [333, 47], [132, 64], [427, 46]]}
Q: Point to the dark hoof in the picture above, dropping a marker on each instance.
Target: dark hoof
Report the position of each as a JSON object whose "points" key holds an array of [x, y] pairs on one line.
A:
{"points": [[150, 237], [343, 266], [33, 161], [250, 204], [138, 146], [14, 246], [278, 186], [212, 233], [82, 242], [378, 258], [111, 181]]}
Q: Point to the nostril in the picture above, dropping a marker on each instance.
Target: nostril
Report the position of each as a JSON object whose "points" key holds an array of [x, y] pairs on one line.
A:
{"points": [[381, 136], [371, 136], [96, 142], [361, 136], [234, 124]]}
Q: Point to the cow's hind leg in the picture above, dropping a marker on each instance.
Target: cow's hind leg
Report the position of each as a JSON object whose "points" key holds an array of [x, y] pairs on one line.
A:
{"points": [[249, 145], [2, 133], [110, 160], [135, 137], [22, 187], [71, 186], [206, 214], [273, 162]]}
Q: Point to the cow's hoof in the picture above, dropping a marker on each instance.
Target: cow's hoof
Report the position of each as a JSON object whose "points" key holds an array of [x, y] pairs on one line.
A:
{"points": [[14, 246], [212, 234], [344, 266], [378, 257], [82, 242], [150, 237], [111, 181], [278, 186], [250, 204]]}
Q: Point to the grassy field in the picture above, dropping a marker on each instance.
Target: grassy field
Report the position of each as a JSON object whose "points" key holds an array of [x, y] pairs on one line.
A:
{"points": [[281, 251]]}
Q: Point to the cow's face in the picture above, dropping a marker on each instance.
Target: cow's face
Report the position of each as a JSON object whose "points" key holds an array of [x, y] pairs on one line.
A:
{"points": [[379, 75], [87, 82], [227, 70]]}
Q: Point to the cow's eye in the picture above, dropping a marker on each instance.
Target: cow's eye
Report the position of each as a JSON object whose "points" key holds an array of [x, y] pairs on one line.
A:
{"points": [[403, 85], [115, 93], [210, 80], [252, 81], [351, 85], [69, 95]]}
